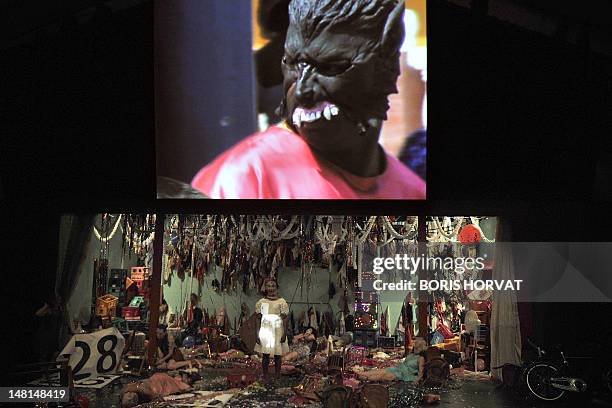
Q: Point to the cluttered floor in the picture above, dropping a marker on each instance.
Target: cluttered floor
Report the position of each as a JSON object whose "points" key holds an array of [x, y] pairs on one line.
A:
{"points": [[224, 383], [466, 393]]}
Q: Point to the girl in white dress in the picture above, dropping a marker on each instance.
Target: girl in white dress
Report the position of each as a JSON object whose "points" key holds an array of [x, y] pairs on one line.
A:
{"points": [[272, 312]]}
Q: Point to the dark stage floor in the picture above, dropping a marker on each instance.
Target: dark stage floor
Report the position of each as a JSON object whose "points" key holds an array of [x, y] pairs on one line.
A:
{"points": [[469, 392]]}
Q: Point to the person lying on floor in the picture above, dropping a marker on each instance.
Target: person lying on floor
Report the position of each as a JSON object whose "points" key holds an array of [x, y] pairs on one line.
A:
{"points": [[302, 345], [159, 385], [170, 357], [410, 370]]}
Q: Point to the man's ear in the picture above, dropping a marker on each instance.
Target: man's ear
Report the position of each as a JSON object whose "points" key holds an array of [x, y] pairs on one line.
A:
{"points": [[393, 34]]}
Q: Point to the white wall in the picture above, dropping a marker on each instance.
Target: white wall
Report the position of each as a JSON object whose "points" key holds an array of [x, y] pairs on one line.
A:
{"points": [[177, 292]]}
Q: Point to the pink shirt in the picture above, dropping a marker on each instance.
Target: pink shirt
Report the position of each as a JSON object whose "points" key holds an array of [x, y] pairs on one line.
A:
{"points": [[278, 163]]}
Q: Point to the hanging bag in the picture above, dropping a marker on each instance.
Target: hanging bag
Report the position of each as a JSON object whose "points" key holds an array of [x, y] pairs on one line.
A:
{"points": [[443, 329]]}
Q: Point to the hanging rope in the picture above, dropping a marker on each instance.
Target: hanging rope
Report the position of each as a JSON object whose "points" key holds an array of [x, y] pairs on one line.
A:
{"points": [[366, 230], [440, 234], [286, 233], [411, 228], [324, 237], [111, 235]]}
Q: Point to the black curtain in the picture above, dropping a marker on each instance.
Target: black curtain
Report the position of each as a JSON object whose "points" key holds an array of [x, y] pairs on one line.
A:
{"points": [[75, 232]]}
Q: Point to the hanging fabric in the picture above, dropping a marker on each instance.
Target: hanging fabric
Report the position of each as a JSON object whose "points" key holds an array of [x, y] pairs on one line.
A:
{"points": [[505, 326]]}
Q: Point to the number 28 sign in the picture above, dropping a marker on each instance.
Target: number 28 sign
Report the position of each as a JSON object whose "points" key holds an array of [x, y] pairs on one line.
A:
{"points": [[93, 354]]}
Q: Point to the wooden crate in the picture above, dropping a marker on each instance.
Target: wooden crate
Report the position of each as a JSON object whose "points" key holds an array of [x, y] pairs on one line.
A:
{"points": [[106, 305]]}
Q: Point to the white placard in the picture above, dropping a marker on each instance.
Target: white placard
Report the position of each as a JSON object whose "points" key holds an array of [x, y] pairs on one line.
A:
{"points": [[92, 382], [94, 354], [96, 382]]}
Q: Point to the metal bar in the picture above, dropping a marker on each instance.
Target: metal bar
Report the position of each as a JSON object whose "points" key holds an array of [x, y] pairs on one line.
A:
{"points": [[423, 298], [155, 287]]}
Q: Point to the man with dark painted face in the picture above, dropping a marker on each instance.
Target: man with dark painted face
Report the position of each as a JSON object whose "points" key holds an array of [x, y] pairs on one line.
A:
{"points": [[341, 62]]}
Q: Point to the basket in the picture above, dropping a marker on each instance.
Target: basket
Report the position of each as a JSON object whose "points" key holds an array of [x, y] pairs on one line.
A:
{"points": [[106, 305]]}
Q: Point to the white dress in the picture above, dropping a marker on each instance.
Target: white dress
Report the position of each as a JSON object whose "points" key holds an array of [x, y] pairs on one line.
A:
{"points": [[271, 329]]}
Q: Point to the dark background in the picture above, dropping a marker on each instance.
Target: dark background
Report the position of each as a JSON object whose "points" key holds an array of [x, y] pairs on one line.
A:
{"points": [[519, 127]]}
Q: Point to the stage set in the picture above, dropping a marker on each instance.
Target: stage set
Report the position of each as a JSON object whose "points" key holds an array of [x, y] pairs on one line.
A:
{"points": [[267, 310]]}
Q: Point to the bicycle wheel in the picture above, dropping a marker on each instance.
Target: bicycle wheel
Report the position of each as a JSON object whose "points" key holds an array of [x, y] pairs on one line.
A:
{"points": [[538, 381], [607, 380]]}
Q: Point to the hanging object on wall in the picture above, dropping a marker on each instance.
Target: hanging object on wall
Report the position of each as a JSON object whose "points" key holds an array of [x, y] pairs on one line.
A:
{"points": [[138, 235], [216, 285], [341, 323], [384, 323], [244, 314], [247, 249], [366, 310], [444, 230], [100, 278], [102, 233], [325, 237], [470, 235], [167, 271], [331, 292], [476, 223]]}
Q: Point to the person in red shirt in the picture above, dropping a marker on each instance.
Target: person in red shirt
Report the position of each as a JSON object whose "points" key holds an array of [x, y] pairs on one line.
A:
{"points": [[341, 62]]}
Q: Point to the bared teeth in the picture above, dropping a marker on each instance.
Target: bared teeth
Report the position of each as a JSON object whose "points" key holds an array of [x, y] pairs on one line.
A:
{"points": [[327, 113], [297, 118], [301, 115]]}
